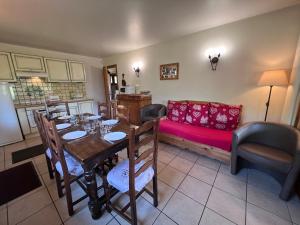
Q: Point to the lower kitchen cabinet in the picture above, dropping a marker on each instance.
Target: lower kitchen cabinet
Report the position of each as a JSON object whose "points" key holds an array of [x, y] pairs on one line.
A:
{"points": [[23, 121]]}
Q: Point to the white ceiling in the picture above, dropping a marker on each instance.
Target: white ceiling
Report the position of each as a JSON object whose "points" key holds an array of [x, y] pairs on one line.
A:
{"points": [[106, 27]]}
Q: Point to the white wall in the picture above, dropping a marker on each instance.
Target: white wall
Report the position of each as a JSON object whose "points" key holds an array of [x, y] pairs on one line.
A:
{"points": [[252, 46], [291, 102], [93, 67]]}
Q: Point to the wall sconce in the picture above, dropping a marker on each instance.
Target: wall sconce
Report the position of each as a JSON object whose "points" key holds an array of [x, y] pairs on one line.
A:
{"points": [[214, 61], [137, 68]]}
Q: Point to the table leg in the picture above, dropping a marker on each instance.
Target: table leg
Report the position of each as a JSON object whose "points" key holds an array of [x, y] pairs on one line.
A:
{"points": [[94, 203]]}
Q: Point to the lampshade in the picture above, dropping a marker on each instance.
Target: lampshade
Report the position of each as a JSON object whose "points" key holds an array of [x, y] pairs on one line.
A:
{"points": [[274, 78]]}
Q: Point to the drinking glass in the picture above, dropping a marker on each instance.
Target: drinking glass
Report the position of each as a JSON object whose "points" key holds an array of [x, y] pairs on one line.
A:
{"points": [[87, 127], [93, 127]]}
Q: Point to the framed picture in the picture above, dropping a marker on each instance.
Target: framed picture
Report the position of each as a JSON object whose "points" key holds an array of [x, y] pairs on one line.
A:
{"points": [[169, 71]]}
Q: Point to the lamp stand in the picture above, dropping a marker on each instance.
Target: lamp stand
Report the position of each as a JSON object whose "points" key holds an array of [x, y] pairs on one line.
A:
{"points": [[268, 102]]}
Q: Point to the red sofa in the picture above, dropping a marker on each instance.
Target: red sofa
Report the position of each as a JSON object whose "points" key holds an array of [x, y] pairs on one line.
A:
{"points": [[210, 133]]}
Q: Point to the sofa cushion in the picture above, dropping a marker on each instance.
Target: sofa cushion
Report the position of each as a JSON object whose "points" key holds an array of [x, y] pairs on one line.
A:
{"points": [[224, 117], [197, 114], [177, 111], [217, 138], [265, 155]]}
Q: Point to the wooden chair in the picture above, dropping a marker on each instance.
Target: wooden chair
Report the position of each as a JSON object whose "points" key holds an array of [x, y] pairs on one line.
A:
{"points": [[66, 167], [57, 108], [120, 112], [104, 110], [131, 176], [38, 121]]}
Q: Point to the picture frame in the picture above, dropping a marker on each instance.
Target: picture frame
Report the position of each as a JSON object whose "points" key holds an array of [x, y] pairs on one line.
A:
{"points": [[169, 71]]}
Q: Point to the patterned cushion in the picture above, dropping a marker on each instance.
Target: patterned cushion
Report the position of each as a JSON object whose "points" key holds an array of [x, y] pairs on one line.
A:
{"points": [[224, 117], [118, 177], [177, 111], [197, 114]]}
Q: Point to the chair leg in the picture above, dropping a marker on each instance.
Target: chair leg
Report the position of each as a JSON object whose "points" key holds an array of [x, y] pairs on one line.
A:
{"points": [[58, 184], [107, 192], [69, 197], [289, 184], [133, 208], [50, 168], [155, 195], [234, 164]]}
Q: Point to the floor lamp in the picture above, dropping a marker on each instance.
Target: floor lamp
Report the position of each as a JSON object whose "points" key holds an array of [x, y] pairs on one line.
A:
{"points": [[272, 78]]}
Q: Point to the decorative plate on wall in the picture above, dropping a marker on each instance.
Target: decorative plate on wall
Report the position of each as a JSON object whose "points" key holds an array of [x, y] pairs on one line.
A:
{"points": [[169, 71]]}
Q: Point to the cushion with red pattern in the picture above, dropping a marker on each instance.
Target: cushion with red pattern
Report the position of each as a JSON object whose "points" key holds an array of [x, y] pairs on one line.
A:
{"points": [[224, 117], [177, 111], [197, 114]]}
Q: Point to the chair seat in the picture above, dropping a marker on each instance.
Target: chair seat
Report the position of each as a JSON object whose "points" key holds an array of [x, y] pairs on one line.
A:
{"points": [[118, 177], [48, 153], [266, 155]]}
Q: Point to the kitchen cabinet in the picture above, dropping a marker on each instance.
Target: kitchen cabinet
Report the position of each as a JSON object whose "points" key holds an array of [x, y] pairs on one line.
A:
{"points": [[73, 107], [86, 107], [77, 71], [57, 70], [28, 63], [23, 121], [7, 72]]}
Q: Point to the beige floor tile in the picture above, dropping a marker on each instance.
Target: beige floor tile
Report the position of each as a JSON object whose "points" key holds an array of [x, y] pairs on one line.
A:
{"points": [[227, 205], [42, 168], [232, 185], [3, 216], [258, 216], [172, 149], [263, 181], [164, 220], [203, 173], [268, 201], [209, 217], [1, 154], [160, 166], [123, 153], [165, 157], [61, 205], [53, 191], [113, 222], [189, 155], [196, 189], [181, 164], [183, 210], [84, 217], [15, 147], [242, 175], [209, 163], [2, 166], [46, 179], [48, 214], [294, 208], [33, 141], [146, 213], [165, 192], [28, 206], [171, 176]]}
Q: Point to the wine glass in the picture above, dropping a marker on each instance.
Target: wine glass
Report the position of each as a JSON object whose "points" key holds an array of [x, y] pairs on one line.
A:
{"points": [[93, 127]]}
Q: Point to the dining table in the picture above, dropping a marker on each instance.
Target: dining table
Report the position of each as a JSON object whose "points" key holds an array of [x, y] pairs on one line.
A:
{"points": [[90, 151]]}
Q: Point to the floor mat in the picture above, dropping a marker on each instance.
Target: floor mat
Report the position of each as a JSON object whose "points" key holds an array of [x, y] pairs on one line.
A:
{"points": [[27, 153]]}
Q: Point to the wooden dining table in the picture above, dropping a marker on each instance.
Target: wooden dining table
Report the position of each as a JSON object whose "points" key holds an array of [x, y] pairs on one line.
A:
{"points": [[90, 151]]}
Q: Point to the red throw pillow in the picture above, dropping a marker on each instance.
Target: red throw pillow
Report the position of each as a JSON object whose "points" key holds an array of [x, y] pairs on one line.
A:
{"points": [[224, 117], [177, 111], [197, 114]]}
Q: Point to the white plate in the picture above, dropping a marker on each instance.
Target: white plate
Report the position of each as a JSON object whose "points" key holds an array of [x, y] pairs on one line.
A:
{"points": [[109, 122], [93, 117], [74, 135], [114, 136], [63, 126], [64, 117]]}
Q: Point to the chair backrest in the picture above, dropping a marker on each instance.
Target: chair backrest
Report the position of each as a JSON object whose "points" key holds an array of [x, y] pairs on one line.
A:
{"points": [[104, 109], [39, 123], [57, 108], [55, 144], [120, 112], [145, 135]]}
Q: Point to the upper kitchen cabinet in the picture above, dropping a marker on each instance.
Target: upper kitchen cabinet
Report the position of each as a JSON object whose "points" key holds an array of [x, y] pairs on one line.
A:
{"points": [[77, 71], [28, 63], [7, 72], [57, 70]]}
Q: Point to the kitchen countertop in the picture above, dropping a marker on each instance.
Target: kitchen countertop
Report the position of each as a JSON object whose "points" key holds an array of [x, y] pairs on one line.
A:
{"points": [[20, 106]]}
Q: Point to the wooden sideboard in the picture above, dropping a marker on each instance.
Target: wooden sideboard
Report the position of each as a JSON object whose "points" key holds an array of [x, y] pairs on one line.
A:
{"points": [[134, 102]]}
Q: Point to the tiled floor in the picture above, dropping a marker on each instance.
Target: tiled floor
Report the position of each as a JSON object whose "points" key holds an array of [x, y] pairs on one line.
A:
{"points": [[192, 190]]}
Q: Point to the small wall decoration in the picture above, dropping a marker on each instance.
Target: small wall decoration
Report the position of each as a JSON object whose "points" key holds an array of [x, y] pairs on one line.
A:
{"points": [[169, 71]]}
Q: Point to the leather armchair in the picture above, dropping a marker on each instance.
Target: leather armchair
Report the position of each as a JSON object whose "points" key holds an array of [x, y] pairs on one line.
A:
{"points": [[270, 147], [152, 111]]}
